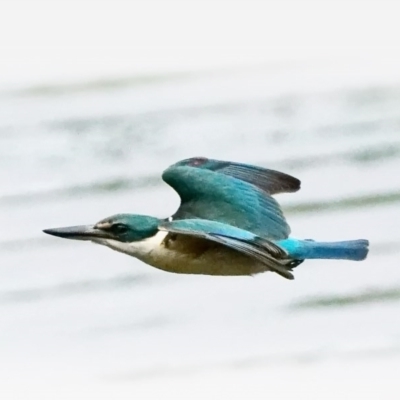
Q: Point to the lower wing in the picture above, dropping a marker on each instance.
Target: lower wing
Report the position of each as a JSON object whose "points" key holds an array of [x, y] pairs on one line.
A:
{"points": [[261, 250]]}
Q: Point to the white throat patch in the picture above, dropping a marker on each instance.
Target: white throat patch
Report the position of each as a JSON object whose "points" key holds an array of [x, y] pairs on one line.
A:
{"points": [[140, 249]]}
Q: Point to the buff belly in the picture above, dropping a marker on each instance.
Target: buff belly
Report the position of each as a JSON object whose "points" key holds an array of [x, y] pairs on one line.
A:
{"points": [[187, 255]]}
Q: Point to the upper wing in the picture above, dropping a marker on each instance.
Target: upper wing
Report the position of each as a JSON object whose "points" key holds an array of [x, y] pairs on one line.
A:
{"points": [[262, 250], [222, 197], [270, 181]]}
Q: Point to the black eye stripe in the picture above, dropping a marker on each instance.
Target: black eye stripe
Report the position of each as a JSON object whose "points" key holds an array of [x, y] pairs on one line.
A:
{"points": [[119, 228]]}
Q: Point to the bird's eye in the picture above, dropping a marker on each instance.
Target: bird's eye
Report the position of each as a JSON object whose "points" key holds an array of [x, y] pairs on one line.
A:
{"points": [[119, 228]]}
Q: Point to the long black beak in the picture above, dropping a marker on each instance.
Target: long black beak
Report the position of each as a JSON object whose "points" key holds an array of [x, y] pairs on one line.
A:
{"points": [[82, 232]]}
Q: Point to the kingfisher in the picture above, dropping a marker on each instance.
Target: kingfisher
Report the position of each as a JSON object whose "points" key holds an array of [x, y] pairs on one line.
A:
{"points": [[227, 224]]}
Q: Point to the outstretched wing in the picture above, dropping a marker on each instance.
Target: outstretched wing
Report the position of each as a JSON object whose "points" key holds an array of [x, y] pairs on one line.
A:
{"points": [[218, 194], [261, 250], [272, 182]]}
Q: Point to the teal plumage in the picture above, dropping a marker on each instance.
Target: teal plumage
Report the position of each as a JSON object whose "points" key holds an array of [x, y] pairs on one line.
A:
{"points": [[219, 197], [228, 223]]}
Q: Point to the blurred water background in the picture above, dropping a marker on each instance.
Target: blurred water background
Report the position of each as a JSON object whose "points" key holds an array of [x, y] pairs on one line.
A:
{"points": [[77, 315], [72, 155]]}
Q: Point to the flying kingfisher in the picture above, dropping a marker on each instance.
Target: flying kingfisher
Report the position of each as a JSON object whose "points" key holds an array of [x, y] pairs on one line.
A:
{"points": [[228, 223]]}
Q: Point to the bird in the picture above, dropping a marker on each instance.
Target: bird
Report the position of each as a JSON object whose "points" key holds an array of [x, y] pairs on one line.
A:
{"points": [[227, 224]]}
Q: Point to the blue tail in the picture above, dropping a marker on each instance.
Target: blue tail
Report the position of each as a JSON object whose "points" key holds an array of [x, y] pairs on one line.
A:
{"points": [[355, 250]]}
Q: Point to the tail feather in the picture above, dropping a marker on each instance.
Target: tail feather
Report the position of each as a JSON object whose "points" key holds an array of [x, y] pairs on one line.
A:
{"points": [[355, 250]]}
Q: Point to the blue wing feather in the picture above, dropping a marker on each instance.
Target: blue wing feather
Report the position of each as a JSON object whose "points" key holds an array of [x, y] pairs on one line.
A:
{"points": [[209, 227], [213, 196]]}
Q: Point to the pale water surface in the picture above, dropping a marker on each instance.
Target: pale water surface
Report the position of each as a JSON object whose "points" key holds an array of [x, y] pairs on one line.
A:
{"points": [[80, 314]]}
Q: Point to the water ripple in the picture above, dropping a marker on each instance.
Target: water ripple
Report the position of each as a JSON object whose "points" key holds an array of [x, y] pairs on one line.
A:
{"points": [[71, 288], [375, 295]]}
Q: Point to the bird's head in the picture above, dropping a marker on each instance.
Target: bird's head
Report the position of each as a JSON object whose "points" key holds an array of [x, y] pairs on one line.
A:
{"points": [[123, 228]]}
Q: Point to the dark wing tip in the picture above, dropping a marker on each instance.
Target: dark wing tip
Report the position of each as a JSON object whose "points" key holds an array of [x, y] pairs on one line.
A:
{"points": [[269, 180], [281, 182], [289, 276]]}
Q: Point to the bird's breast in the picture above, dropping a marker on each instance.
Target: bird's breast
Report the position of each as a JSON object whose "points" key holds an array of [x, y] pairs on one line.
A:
{"points": [[185, 254]]}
